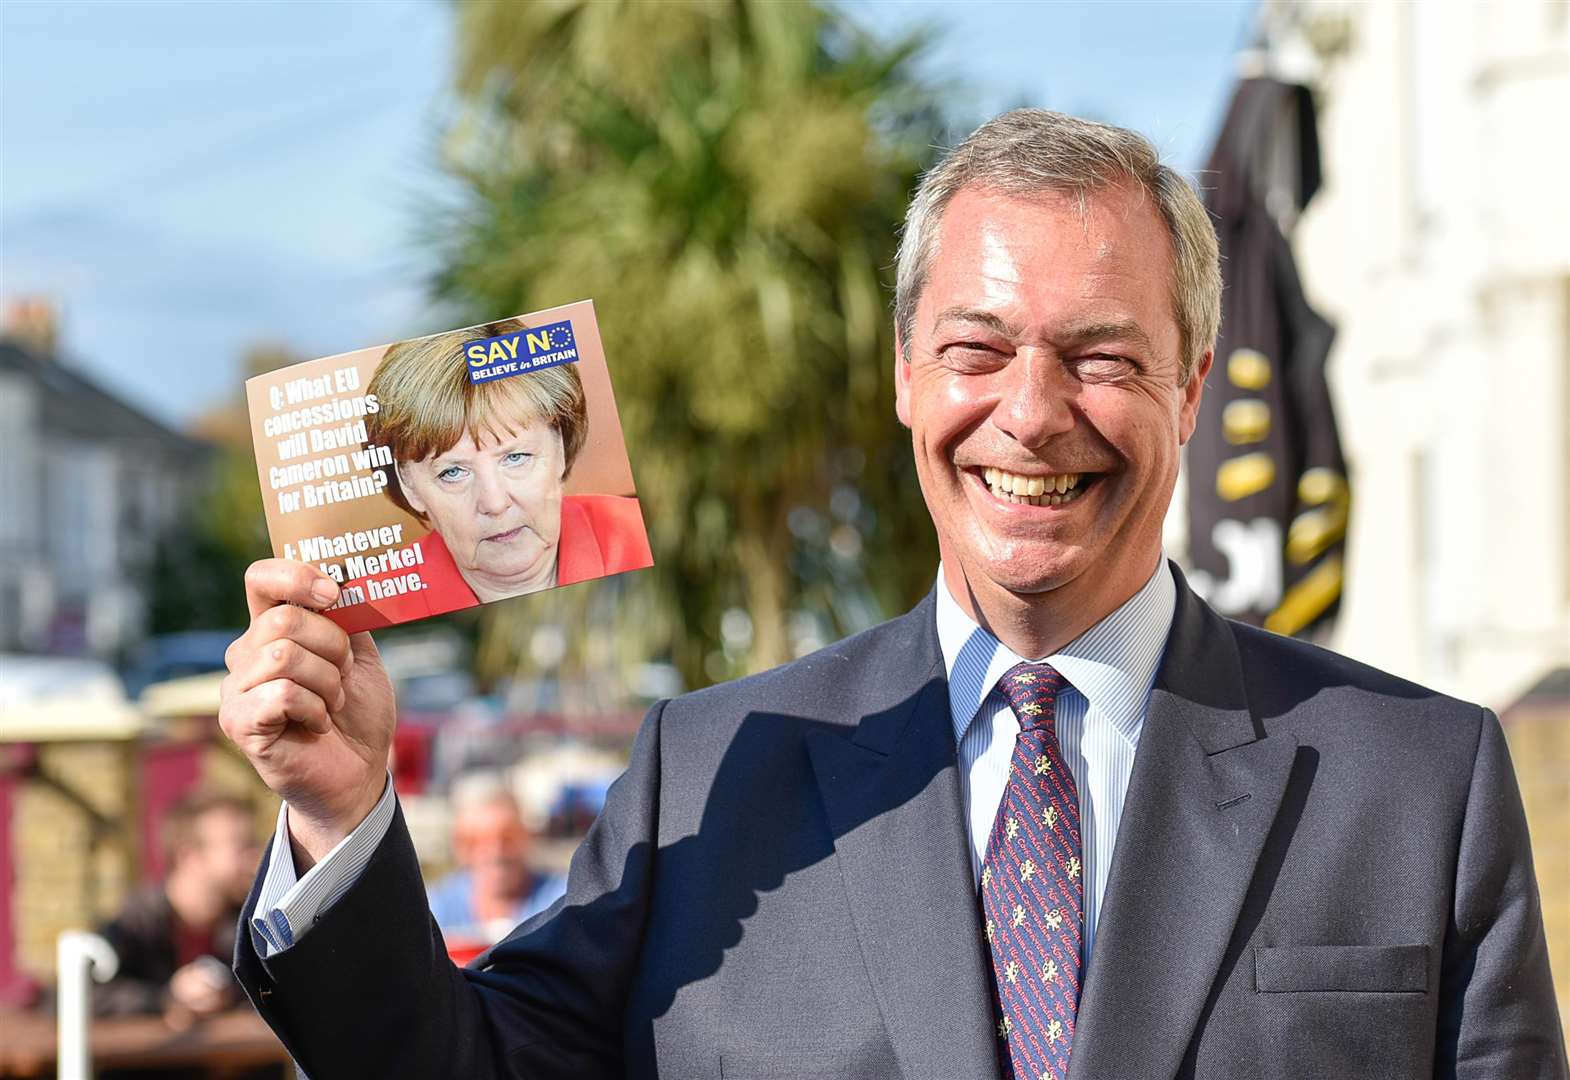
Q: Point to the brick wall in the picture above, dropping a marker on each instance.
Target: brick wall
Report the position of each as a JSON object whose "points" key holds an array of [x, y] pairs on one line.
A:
{"points": [[69, 875], [63, 879], [1538, 732]]}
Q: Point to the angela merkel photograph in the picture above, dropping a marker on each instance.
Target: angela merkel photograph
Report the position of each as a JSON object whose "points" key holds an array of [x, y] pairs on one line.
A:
{"points": [[485, 466]]}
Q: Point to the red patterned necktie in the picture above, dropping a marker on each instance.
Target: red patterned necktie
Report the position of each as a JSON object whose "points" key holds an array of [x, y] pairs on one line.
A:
{"points": [[1032, 888]]}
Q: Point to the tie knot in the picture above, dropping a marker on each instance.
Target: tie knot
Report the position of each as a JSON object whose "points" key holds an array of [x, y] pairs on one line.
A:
{"points": [[1032, 692]]}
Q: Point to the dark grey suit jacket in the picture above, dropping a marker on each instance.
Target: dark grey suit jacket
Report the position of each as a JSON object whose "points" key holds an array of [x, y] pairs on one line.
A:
{"points": [[1321, 871]]}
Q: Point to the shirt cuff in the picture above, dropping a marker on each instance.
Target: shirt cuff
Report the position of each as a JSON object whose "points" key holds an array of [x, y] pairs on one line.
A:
{"points": [[288, 906]]}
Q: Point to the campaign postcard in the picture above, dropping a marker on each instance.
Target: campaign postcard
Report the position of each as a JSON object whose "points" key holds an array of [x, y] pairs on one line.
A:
{"points": [[447, 471]]}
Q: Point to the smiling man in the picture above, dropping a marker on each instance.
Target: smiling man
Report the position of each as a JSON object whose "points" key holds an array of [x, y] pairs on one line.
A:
{"points": [[1059, 820], [1048, 388]]}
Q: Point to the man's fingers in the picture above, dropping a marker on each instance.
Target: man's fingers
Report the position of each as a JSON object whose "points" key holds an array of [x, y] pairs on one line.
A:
{"points": [[289, 701], [312, 632], [288, 659], [195, 993], [270, 582], [263, 710]]}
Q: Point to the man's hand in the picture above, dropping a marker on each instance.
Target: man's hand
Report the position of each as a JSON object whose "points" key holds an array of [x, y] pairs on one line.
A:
{"points": [[311, 707], [200, 989]]}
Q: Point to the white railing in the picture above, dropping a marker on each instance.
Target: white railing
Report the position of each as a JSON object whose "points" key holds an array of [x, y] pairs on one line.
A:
{"points": [[79, 958]]}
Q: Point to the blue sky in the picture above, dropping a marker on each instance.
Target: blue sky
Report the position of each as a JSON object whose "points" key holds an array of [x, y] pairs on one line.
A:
{"points": [[184, 180]]}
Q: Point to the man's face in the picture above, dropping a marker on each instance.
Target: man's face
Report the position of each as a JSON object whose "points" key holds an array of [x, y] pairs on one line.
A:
{"points": [[225, 849], [1045, 351], [491, 842], [496, 503]]}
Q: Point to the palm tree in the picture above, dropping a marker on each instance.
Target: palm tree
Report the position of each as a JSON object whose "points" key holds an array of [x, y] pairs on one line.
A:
{"points": [[726, 180]]}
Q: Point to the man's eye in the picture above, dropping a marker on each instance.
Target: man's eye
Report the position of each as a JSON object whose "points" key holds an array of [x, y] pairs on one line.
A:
{"points": [[971, 354], [1105, 366]]}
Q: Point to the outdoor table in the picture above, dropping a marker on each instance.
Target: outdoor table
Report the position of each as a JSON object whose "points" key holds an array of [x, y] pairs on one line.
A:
{"points": [[231, 1041]]}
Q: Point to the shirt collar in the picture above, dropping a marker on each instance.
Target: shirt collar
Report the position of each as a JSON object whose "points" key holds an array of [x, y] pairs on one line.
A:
{"points": [[1113, 664]]}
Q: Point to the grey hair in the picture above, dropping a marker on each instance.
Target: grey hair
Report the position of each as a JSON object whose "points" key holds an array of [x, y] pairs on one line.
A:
{"points": [[480, 787], [1032, 151]]}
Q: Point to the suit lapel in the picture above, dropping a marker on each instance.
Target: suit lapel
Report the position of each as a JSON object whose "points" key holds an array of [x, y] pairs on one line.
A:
{"points": [[1204, 793], [890, 788]]}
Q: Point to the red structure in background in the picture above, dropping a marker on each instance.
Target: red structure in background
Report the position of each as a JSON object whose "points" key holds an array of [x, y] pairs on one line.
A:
{"points": [[167, 771], [411, 759], [11, 989], [16, 759]]}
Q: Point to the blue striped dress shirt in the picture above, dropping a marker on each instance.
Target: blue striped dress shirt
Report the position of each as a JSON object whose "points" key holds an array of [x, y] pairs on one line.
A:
{"points": [[288, 905], [1110, 669]]}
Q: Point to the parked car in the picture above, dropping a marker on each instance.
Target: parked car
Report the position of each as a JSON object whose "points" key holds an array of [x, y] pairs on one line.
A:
{"points": [[174, 656]]}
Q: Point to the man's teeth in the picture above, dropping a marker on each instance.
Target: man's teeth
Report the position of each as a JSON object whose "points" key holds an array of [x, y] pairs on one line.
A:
{"points": [[1033, 490]]}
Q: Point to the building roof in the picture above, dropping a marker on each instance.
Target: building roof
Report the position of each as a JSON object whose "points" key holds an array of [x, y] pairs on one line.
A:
{"points": [[73, 404]]}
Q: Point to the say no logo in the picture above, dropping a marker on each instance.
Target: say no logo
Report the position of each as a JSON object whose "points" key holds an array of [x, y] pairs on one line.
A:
{"points": [[521, 351]]}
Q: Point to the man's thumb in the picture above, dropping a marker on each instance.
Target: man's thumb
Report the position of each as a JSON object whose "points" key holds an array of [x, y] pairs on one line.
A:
{"points": [[363, 647]]}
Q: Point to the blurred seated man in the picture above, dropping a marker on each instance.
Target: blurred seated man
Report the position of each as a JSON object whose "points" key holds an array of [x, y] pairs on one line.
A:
{"points": [[493, 889], [174, 939]]}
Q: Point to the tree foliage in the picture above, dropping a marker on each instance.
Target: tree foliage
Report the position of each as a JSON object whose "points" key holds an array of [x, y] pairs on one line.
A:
{"points": [[726, 180]]}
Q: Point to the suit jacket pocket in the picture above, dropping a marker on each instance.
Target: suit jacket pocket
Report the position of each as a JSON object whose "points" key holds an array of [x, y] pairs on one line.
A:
{"points": [[1369, 969]]}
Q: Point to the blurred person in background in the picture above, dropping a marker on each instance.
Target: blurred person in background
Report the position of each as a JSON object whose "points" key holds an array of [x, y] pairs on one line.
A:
{"points": [[174, 938], [494, 888]]}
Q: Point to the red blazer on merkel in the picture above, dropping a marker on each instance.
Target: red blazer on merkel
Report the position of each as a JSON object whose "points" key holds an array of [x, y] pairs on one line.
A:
{"points": [[600, 535]]}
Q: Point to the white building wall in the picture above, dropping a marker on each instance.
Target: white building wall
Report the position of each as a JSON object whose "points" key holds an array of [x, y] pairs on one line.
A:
{"points": [[21, 514], [1440, 247]]}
